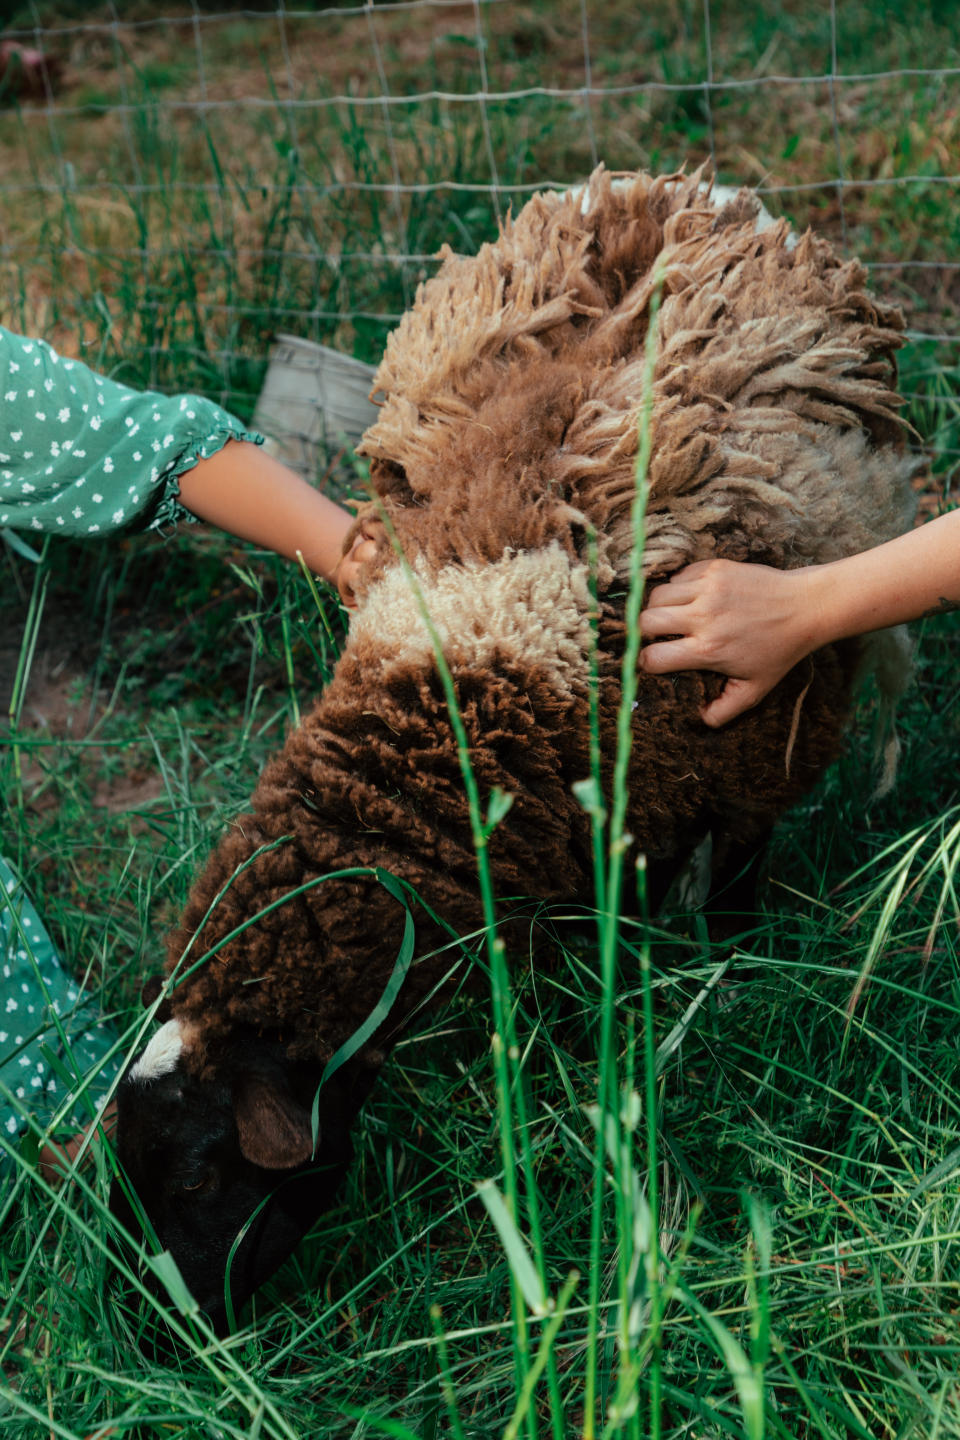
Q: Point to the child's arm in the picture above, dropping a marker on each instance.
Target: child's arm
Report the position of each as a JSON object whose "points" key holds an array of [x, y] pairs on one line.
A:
{"points": [[247, 492], [82, 455], [753, 624]]}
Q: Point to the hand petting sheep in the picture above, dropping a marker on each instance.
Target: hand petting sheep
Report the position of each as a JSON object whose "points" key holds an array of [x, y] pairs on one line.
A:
{"points": [[507, 439]]}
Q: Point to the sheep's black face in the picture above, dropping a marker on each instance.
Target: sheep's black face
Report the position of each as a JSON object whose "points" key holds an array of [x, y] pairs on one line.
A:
{"points": [[181, 1144]]}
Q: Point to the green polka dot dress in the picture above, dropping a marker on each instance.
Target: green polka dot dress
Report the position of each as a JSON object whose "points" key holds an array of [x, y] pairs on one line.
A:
{"points": [[57, 1057], [80, 455], [85, 456]]}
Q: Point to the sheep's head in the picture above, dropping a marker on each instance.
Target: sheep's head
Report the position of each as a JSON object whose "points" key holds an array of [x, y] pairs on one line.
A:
{"points": [[212, 1160]]}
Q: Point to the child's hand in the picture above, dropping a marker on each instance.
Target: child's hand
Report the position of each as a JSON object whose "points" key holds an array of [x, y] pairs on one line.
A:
{"points": [[749, 622], [363, 549], [58, 1157]]}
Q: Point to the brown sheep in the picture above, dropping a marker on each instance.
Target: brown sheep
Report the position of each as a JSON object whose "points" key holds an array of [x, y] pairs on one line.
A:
{"points": [[507, 436]]}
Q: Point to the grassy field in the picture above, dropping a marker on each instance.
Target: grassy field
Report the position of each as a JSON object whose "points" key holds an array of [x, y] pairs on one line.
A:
{"points": [[774, 1246]]}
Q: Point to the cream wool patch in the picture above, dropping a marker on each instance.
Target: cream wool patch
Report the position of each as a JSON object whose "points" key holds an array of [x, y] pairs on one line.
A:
{"points": [[530, 608]]}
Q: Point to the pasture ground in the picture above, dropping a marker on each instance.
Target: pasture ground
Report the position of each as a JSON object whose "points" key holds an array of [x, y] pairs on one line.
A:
{"points": [[805, 1149]]}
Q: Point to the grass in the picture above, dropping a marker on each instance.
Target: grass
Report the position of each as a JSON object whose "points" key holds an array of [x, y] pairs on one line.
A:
{"points": [[761, 1237], [806, 1179], [806, 1176], [170, 241]]}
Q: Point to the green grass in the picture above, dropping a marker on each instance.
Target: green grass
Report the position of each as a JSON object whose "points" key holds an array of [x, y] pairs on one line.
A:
{"points": [[807, 1169], [173, 242], [807, 1172], [796, 1158]]}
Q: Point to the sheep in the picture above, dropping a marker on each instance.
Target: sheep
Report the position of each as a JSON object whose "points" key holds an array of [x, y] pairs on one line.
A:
{"points": [[505, 441]]}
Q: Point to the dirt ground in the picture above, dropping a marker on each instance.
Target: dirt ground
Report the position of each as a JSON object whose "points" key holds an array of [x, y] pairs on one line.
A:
{"points": [[63, 703]]}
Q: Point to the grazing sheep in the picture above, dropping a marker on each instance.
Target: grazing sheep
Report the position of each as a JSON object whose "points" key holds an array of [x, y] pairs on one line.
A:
{"points": [[508, 434]]}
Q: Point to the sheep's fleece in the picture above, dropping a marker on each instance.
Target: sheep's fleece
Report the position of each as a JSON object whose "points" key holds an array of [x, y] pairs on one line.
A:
{"points": [[508, 433]]}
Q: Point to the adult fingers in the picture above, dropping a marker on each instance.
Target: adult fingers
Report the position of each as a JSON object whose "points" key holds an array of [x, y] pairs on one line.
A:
{"points": [[669, 655], [671, 592], [735, 697], [664, 620]]}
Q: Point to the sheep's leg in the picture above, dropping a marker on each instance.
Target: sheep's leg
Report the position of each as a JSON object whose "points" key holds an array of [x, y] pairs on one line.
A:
{"points": [[736, 871]]}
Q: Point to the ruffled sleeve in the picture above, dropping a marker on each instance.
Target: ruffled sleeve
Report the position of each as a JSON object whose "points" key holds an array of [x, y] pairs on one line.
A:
{"points": [[83, 455]]}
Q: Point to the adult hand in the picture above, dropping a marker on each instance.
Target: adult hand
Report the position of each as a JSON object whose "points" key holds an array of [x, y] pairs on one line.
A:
{"points": [[749, 622]]}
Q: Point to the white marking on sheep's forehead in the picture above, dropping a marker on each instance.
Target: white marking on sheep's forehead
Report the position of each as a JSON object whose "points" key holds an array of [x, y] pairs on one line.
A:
{"points": [[529, 607], [161, 1055]]}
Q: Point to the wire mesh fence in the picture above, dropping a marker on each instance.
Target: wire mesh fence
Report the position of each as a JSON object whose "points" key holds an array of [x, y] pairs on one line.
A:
{"points": [[177, 187]]}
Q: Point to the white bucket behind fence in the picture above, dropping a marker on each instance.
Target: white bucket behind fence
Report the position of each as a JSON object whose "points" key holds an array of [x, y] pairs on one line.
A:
{"points": [[313, 402]]}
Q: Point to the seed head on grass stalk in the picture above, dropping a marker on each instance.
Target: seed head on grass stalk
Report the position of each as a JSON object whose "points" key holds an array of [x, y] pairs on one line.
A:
{"points": [[617, 844], [511, 1103]]}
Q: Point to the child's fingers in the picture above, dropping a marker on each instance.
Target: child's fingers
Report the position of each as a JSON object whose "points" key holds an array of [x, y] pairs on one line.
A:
{"points": [[364, 548], [57, 1157], [672, 592], [684, 586]]}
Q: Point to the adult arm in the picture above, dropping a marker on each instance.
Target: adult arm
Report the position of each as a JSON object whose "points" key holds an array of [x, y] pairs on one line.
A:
{"points": [[753, 623]]}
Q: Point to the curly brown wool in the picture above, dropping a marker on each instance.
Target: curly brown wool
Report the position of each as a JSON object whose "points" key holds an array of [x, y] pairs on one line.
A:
{"points": [[508, 437]]}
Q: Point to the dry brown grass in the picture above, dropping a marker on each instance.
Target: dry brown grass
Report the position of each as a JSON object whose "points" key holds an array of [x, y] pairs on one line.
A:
{"points": [[183, 222]]}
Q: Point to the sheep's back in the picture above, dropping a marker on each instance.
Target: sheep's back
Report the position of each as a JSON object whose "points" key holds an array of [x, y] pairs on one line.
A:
{"points": [[513, 388]]}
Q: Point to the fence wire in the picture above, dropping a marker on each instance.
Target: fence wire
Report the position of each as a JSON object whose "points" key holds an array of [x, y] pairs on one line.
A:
{"points": [[176, 186]]}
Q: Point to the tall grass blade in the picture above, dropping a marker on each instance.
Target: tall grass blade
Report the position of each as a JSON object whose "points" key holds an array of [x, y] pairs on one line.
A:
{"points": [[518, 1255]]}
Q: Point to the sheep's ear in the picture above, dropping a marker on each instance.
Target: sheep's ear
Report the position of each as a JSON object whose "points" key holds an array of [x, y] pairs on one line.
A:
{"points": [[274, 1129]]}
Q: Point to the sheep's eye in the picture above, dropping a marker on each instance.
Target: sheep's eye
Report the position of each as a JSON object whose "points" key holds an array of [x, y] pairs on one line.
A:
{"points": [[198, 1183]]}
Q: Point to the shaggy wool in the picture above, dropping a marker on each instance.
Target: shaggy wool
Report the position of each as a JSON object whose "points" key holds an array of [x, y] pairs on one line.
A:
{"points": [[507, 438]]}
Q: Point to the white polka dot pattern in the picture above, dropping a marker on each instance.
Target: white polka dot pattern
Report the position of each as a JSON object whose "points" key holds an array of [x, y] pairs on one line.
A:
{"points": [[83, 429], [50, 1033]]}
